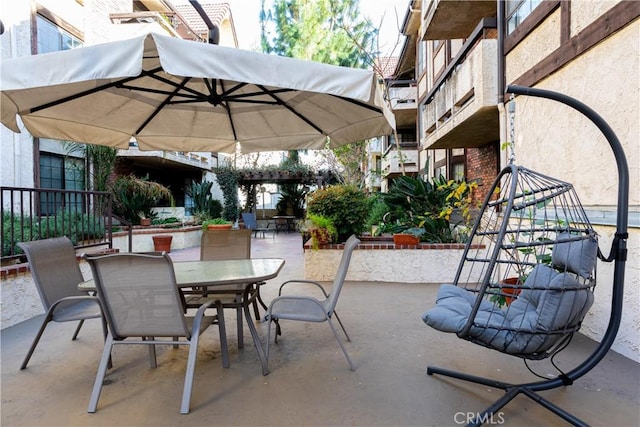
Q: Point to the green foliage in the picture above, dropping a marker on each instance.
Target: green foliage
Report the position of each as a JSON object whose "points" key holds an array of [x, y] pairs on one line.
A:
{"points": [[228, 178], [76, 226], [204, 205], [22, 231], [326, 31], [320, 229], [352, 157], [345, 205], [134, 197], [215, 221], [414, 202], [292, 196], [377, 209]]}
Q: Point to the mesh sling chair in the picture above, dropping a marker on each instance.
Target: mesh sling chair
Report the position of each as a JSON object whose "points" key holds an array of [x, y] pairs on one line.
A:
{"points": [[56, 273], [250, 221], [309, 309], [222, 245], [142, 303], [533, 228]]}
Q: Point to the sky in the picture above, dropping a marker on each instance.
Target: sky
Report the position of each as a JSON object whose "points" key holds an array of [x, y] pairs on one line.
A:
{"points": [[246, 14]]}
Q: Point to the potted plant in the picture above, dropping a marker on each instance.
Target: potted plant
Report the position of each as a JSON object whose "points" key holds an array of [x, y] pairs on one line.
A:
{"points": [[410, 236], [144, 220], [320, 229], [216, 224]]}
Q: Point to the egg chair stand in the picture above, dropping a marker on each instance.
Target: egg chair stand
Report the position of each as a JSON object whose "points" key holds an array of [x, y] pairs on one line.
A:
{"points": [[532, 227]]}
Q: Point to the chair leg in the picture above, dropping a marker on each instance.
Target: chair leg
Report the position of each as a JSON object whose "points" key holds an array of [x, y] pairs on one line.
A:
{"points": [[224, 349], [102, 369], [75, 334], [240, 327], [153, 361], [342, 326], [191, 367], [344, 350], [45, 322]]}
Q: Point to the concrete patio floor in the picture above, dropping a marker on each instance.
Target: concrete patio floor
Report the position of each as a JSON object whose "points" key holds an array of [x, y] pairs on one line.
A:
{"points": [[310, 382]]}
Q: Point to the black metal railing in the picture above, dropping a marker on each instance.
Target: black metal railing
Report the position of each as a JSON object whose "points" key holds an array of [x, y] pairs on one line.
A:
{"points": [[28, 214]]}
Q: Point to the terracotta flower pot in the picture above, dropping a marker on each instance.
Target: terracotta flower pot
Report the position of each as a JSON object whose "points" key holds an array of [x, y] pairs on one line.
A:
{"points": [[162, 243], [219, 226], [145, 221], [405, 239], [511, 291]]}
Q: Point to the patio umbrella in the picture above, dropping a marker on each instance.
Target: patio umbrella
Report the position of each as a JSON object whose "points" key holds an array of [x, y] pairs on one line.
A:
{"points": [[173, 94]]}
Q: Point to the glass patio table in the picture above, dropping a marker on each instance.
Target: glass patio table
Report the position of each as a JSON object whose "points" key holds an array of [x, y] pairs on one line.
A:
{"points": [[210, 274]]}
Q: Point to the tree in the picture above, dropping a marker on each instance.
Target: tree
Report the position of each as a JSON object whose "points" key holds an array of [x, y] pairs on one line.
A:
{"points": [[328, 31]]}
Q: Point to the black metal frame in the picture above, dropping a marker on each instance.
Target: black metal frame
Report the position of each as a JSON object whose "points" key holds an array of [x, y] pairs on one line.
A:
{"points": [[618, 254]]}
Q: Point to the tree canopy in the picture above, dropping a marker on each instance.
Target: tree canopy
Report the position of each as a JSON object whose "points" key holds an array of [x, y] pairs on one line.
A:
{"points": [[328, 31]]}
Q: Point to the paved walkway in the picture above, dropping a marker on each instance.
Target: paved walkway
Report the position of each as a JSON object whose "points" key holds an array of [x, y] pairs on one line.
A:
{"points": [[310, 382]]}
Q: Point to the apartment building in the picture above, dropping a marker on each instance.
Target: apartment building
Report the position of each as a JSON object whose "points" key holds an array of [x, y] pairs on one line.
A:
{"points": [[467, 52], [34, 27]]}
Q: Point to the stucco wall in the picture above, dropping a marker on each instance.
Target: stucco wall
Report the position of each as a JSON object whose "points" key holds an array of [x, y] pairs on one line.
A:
{"points": [[386, 265], [20, 300], [553, 139], [536, 47]]}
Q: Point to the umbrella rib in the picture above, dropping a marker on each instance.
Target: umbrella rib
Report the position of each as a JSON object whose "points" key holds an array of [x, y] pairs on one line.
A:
{"points": [[359, 103], [288, 107], [227, 107], [91, 91], [162, 104]]}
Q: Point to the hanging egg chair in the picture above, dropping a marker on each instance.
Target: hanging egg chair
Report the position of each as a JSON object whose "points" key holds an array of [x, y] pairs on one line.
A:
{"points": [[526, 277]]}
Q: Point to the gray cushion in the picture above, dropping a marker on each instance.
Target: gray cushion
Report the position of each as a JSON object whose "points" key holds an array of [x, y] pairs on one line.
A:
{"points": [[524, 326], [578, 256]]}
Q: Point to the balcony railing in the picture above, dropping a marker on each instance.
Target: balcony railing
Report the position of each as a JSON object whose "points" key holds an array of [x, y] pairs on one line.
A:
{"points": [[33, 214], [465, 96]]}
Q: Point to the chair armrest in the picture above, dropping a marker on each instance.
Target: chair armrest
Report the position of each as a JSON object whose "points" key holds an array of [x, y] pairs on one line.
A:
{"points": [[197, 318], [312, 282]]}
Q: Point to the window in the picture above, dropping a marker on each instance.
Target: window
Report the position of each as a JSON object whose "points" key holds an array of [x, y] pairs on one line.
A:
{"points": [[60, 173], [51, 38], [517, 11]]}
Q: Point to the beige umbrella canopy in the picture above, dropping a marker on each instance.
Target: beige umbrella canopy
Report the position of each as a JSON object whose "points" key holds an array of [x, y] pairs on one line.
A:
{"points": [[173, 94]]}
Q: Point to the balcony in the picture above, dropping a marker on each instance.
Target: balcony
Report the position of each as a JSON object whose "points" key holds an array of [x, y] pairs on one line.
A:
{"points": [[454, 19], [462, 106], [172, 159], [394, 159], [403, 96]]}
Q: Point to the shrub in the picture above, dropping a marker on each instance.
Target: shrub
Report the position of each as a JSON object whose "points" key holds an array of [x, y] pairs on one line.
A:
{"points": [[204, 205], [346, 205], [134, 197]]}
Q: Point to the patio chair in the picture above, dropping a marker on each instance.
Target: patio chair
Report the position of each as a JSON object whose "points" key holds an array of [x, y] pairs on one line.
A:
{"points": [[251, 223], [534, 225], [310, 309], [56, 274], [141, 299], [223, 245]]}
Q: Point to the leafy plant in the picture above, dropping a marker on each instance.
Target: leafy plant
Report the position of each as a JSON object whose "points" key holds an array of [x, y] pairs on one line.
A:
{"points": [[430, 205], [320, 229], [215, 221], [135, 196], [292, 196], [204, 205], [228, 179], [345, 205]]}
